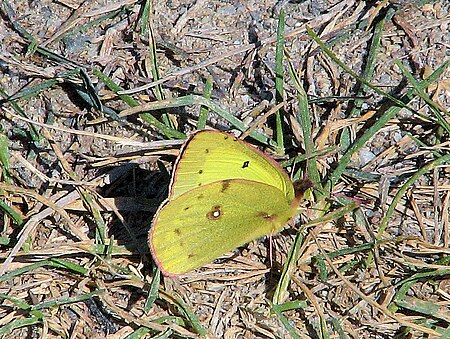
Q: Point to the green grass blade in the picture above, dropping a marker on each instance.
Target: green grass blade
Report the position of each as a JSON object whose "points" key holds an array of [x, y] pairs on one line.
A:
{"points": [[428, 275], [288, 306], [23, 306], [36, 137], [167, 131], [279, 80], [153, 290], [401, 192], [382, 121], [153, 58], [353, 74], [152, 61], [141, 332], [192, 318], [420, 90], [189, 100], [336, 214], [445, 334], [427, 308], [51, 263], [204, 111], [367, 74], [29, 92], [115, 88], [288, 269], [64, 264], [339, 329], [92, 207], [18, 323], [22, 270], [323, 327], [144, 19], [4, 157], [304, 119], [66, 301], [288, 326]]}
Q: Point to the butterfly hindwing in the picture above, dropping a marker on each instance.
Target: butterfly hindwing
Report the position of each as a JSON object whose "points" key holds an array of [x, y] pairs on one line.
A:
{"points": [[206, 222]]}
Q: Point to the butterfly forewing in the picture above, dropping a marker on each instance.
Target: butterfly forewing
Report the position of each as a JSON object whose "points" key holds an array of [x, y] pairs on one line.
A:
{"points": [[211, 156]]}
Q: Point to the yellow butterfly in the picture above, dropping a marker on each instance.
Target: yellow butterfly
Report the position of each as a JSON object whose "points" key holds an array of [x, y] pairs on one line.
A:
{"points": [[224, 193]]}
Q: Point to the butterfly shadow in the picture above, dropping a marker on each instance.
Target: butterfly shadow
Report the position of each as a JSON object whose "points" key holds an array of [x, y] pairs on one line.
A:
{"points": [[136, 194]]}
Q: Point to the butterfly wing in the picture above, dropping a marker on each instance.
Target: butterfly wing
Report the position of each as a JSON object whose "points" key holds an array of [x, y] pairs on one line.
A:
{"points": [[206, 222], [211, 156]]}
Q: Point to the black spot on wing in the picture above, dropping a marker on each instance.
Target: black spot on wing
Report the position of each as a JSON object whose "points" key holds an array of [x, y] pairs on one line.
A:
{"points": [[245, 164]]}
